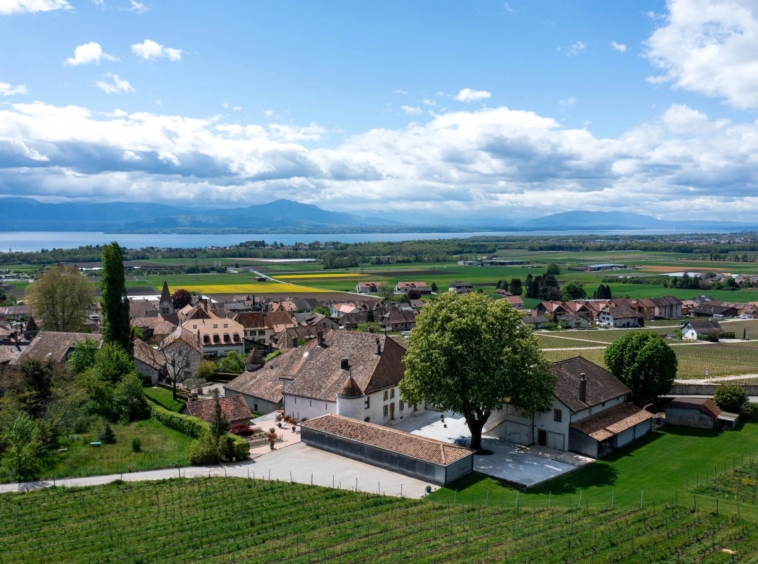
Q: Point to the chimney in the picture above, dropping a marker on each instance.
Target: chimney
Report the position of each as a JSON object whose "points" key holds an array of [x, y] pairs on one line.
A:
{"points": [[583, 388], [320, 337], [345, 364], [378, 347]]}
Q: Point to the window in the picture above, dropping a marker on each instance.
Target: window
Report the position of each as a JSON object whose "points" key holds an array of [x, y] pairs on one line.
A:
{"points": [[236, 338], [261, 332], [367, 420], [216, 340], [385, 395], [386, 411], [255, 407], [558, 415], [326, 407], [226, 338], [367, 403], [392, 393], [226, 326], [215, 325], [310, 403], [194, 326], [206, 340], [402, 405]]}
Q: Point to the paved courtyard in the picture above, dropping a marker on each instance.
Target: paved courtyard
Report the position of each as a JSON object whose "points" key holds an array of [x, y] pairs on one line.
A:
{"points": [[522, 466]]}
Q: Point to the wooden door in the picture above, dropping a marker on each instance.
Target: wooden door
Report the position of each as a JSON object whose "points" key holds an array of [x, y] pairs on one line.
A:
{"points": [[542, 437], [392, 410]]}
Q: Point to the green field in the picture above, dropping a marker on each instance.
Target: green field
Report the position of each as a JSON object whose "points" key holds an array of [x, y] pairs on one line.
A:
{"points": [[235, 520]]}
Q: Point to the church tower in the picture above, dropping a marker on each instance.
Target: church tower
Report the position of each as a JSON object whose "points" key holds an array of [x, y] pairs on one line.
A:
{"points": [[167, 303]]}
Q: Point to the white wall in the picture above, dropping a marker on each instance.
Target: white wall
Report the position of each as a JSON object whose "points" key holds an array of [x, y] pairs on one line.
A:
{"points": [[689, 334], [303, 407], [544, 421], [579, 415], [307, 408]]}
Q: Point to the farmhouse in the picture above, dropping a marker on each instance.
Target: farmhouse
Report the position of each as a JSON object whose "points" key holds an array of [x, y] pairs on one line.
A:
{"points": [[234, 409], [516, 301], [461, 287], [405, 287], [699, 328], [589, 414], [367, 287], [619, 316], [413, 455], [711, 309]]}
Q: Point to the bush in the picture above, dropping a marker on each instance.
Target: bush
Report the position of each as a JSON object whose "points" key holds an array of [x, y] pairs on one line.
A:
{"points": [[136, 445], [232, 362], [129, 403], [205, 369], [712, 337], [731, 397], [204, 451], [107, 437], [242, 430]]}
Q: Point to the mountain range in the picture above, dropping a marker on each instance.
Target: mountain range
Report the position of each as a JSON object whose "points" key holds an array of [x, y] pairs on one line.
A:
{"points": [[286, 216]]}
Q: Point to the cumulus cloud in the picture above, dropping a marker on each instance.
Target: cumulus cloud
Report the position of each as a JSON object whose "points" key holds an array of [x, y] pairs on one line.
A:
{"points": [[709, 46], [576, 49], [116, 85], [469, 95], [149, 49], [620, 47], [496, 162], [88, 53], [411, 109], [8, 90], [31, 6]]}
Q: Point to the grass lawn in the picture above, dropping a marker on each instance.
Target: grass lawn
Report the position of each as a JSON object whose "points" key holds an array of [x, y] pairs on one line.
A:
{"points": [[658, 464], [161, 448], [164, 398]]}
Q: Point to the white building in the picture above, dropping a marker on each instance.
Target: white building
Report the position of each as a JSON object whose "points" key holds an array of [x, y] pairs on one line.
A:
{"points": [[619, 316], [700, 328]]}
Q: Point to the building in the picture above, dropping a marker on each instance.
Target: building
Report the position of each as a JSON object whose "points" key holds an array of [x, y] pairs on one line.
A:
{"points": [[412, 455], [295, 336], [667, 307], [53, 346], [183, 353], [405, 287], [516, 301], [149, 362], [399, 320], [367, 287], [701, 413], [605, 266], [711, 310], [262, 327], [571, 321], [461, 287], [217, 336], [535, 322], [619, 316], [316, 320], [551, 308], [339, 310], [234, 408], [308, 381], [154, 329], [700, 328], [166, 302], [589, 414]]}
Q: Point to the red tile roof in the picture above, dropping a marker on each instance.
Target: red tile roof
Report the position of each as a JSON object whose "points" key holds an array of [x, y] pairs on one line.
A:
{"points": [[234, 408], [610, 422]]}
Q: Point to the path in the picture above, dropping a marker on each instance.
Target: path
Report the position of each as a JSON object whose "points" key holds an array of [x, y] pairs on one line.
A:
{"points": [[717, 379]]}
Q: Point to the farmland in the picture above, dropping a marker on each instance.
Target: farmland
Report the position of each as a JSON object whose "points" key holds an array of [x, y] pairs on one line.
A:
{"points": [[232, 520]]}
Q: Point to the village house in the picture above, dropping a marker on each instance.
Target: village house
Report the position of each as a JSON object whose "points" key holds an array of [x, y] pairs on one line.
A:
{"points": [[667, 307], [261, 327], [154, 329], [714, 309], [571, 321], [700, 328], [535, 322], [551, 308], [399, 320], [619, 316], [589, 414], [218, 336], [234, 409], [367, 287], [516, 301], [53, 346], [338, 310], [183, 353], [295, 336], [316, 320], [461, 288], [149, 362], [405, 287]]}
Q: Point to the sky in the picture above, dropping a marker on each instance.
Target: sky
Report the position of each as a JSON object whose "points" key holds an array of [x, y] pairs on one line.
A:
{"points": [[484, 110]]}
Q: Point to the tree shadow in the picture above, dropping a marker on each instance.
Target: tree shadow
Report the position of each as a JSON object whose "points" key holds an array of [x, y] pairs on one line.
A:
{"points": [[596, 474]]}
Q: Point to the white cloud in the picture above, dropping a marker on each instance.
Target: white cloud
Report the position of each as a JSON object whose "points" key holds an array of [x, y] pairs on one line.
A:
{"points": [[570, 101], [88, 53], [710, 47], [620, 47], [493, 162], [138, 7], [399, 92], [576, 49], [410, 110], [469, 95], [117, 85], [32, 6], [230, 107], [268, 113], [98, 2], [8, 90], [149, 49]]}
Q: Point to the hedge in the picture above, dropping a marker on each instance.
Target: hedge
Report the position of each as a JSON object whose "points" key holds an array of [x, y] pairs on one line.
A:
{"points": [[194, 426]]}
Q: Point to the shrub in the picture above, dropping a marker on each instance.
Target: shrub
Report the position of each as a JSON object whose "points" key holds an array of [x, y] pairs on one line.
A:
{"points": [[205, 369], [204, 451], [232, 362], [129, 403], [731, 397], [242, 430], [136, 445], [107, 436]]}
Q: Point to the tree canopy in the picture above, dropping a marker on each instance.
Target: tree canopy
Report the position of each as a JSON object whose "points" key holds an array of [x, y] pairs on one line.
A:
{"points": [[60, 298], [181, 298], [573, 291], [645, 363], [731, 397], [115, 305], [470, 354]]}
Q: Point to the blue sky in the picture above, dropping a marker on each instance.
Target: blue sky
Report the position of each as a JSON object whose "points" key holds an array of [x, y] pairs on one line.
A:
{"points": [[492, 108]]}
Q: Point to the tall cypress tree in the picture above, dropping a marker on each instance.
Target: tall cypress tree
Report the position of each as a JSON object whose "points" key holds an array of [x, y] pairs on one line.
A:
{"points": [[116, 327]]}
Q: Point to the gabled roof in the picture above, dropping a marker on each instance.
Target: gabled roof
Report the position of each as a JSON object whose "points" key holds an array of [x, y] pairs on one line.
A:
{"points": [[158, 324], [602, 386], [49, 345], [602, 426], [713, 309], [622, 312], [148, 355], [704, 325], [233, 407], [184, 335], [704, 405], [666, 301], [413, 446]]}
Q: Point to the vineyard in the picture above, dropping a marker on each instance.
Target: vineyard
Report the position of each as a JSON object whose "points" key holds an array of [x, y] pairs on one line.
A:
{"points": [[238, 520], [741, 485]]}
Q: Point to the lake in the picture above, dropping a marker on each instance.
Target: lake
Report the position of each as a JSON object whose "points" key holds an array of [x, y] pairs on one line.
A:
{"points": [[36, 240]]}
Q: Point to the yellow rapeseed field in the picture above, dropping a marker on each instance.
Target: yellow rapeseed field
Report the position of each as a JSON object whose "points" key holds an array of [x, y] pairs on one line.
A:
{"points": [[255, 288]]}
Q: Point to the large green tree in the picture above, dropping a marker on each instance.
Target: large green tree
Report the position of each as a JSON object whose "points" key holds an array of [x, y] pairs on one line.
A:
{"points": [[60, 298], [573, 291], [470, 354], [116, 327], [645, 363]]}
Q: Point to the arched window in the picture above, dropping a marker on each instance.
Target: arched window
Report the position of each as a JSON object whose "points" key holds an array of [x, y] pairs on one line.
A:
{"points": [[227, 340], [236, 338], [206, 340], [216, 339]]}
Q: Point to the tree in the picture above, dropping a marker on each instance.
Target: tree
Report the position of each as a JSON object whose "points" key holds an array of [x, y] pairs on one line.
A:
{"points": [[115, 305], [129, 403], [370, 315], [413, 294], [22, 448], [181, 298], [83, 356], [731, 397], [179, 358], [645, 363], [232, 362], [219, 424], [320, 309], [573, 291], [516, 288], [434, 287], [60, 298], [206, 369], [553, 269], [469, 353], [37, 378]]}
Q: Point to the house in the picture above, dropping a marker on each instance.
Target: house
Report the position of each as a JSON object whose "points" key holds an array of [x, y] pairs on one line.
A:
{"points": [[217, 336], [701, 413], [710, 309], [619, 316], [183, 353], [536, 322], [14, 313], [149, 362], [352, 320], [309, 381], [261, 327], [316, 320], [551, 308], [589, 413], [516, 301], [154, 329], [405, 287], [53, 346], [367, 287], [399, 320], [502, 292], [234, 409], [461, 287], [289, 338], [688, 306], [339, 309], [571, 321], [667, 307], [143, 308], [426, 459], [700, 328], [577, 307], [416, 304]]}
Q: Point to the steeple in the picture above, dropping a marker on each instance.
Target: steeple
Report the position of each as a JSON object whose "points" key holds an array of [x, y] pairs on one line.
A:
{"points": [[167, 303]]}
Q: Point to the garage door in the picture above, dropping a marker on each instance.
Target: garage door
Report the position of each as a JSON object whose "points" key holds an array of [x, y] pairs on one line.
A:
{"points": [[625, 437], [555, 441], [519, 434]]}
